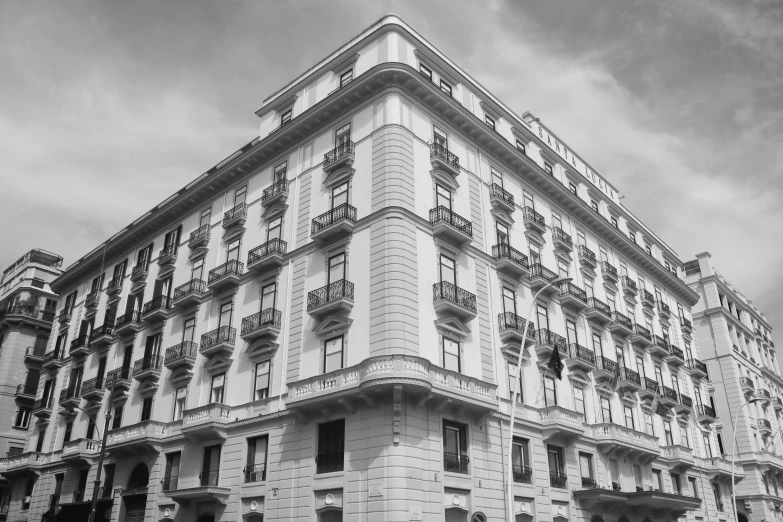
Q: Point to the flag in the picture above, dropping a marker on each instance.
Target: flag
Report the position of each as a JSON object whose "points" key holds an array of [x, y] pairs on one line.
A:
{"points": [[555, 363], [616, 378], [657, 408]]}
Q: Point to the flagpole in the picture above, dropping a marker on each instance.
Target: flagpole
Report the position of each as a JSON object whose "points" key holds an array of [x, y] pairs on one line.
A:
{"points": [[514, 395]]}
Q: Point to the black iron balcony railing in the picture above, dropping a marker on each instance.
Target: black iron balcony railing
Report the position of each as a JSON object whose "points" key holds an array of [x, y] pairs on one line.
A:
{"points": [[82, 340], [344, 212], [90, 385], [573, 290], [186, 349], [608, 269], [233, 267], [256, 473], [496, 191], [224, 334], [510, 320], [648, 298], [154, 362], [25, 389], [608, 365], [454, 294], [650, 385], [442, 214], [593, 303], [668, 393], [522, 474], [43, 404], [538, 270], [71, 392], [329, 462], [686, 401], [589, 482], [586, 253], [116, 375], [676, 352], [129, 318], [170, 483], [455, 463], [278, 187], [115, 285], [745, 381], [239, 211], [528, 214], [342, 289], [506, 251], [580, 352], [442, 153], [107, 328], [342, 150], [140, 268], [268, 317], [664, 308], [65, 314], [92, 298], [54, 355], [695, 364], [764, 423], [271, 247], [35, 351], [627, 374], [550, 338], [630, 284], [660, 342], [621, 319], [157, 303], [559, 235], [200, 234], [32, 312], [558, 479], [192, 286], [707, 411], [685, 323], [644, 332]]}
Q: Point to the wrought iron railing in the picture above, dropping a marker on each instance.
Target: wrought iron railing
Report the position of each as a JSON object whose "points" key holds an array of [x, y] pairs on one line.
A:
{"points": [[496, 191], [196, 286], [668, 393], [90, 385], [344, 212], [43, 404], [92, 298], [685, 323], [630, 284], [664, 308], [686, 401], [154, 362], [602, 363], [455, 462], [268, 317], [442, 153], [627, 374], [278, 187], [157, 303], [593, 303], [511, 321], [530, 215], [107, 328], [200, 234], [586, 253], [54, 355], [170, 483], [255, 473], [71, 392], [650, 385], [442, 214], [65, 314], [140, 269], [573, 290], [522, 474], [185, 349], [558, 234], [506, 251], [578, 351], [271, 247], [230, 268], [558, 479], [454, 294], [642, 331], [339, 152], [238, 212], [209, 478], [547, 337], [117, 375], [589, 482], [707, 411], [676, 352], [224, 334], [622, 320], [133, 317], [330, 462], [660, 342], [168, 252], [608, 269], [695, 364], [342, 289], [82, 340], [538, 270], [115, 285]]}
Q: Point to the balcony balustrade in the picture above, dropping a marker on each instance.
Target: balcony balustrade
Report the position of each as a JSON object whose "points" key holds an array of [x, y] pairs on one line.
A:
{"points": [[684, 405], [70, 397], [103, 336], [157, 309], [342, 155], [24, 463], [664, 312], [620, 441], [92, 389], [629, 286], [225, 276], [558, 480], [676, 356], [747, 385], [34, 356], [560, 425], [533, 221], [130, 322], [256, 473], [118, 379], [53, 359], [605, 370], [450, 226], [763, 394], [660, 347], [206, 422], [705, 414], [580, 358], [140, 271], [547, 340], [561, 241], [92, 299], [451, 299], [442, 159], [80, 347], [269, 255], [136, 439], [114, 288], [510, 261], [650, 388], [181, 355], [25, 393], [65, 315], [641, 336], [668, 396], [609, 272], [190, 294], [80, 452], [629, 380], [679, 458], [235, 217], [275, 194], [219, 340], [718, 468], [522, 474], [333, 224], [29, 315], [265, 323], [455, 463], [199, 238], [512, 328], [698, 369], [621, 325], [587, 257], [42, 408], [541, 276], [501, 199], [686, 326], [573, 297], [330, 298], [648, 300], [148, 368], [597, 311], [168, 255]]}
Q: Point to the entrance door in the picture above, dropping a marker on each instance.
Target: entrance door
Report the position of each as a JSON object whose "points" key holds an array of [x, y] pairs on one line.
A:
{"points": [[134, 508]]}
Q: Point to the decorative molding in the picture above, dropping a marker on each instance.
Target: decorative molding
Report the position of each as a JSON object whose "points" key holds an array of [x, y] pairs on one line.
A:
{"points": [[339, 176], [452, 328], [331, 326]]}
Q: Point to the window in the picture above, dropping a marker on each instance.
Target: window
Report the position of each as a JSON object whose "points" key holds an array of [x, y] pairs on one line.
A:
{"points": [[171, 477], [233, 251], [489, 121], [571, 333], [520, 460], [586, 469], [226, 314], [280, 172], [268, 297], [274, 229], [425, 71], [614, 222], [451, 355], [589, 290], [579, 401], [614, 474], [342, 136], [331, 447], [117, 422], [336, 269], [572, 188], [562, 268], [14, 450], [189, 330], [694, 490], [521, 147], [548, 169], [720, 440], [217, 392], [146, 409], [255, 471], [676, 484], [29, 487], [512, 370], [535, 254], [542, 317], [594, 205], [22, 418], [502, 233], [108, 482], [628, 413], [197, 272], [447, 270], [204, 218], [180, 401], [442, 197], [210, 468], [240, 195], [440, 138], [598, 348], [455, 447], [509, 301], [285, 118], [262, 380], [90, 429], [68, 432], [667, 432], [497, 177], [637, 477], [606, 411], [556, 220], [346, 77], [445, 87], [684, 436], [716, 494], [557, 476], [39, 443], [648, 424], [528, 199], [340, 195], [333, 354], [550, 391], [657, 480]]}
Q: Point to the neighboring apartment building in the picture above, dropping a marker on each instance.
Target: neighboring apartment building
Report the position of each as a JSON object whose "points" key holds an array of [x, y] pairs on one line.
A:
{"points": [[27, 306], [736, 343], [323, 325]]}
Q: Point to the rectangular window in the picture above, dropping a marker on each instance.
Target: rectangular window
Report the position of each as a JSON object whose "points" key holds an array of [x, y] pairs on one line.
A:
{"points": [[331, 447], [274, 229], [509, 301], [445, 87], [628, 413], [497, 177], [268, 296], [171, 477], [336, 269], [262, 380], [557, 476], [146, 409], [210, 468], [117, 421], [440, 138], [340, 195], [333, 354], [707, 446], [606, 411], [180, 402], [520, 460], [528, 199], [571, 333], [521, 147], [22, 418], [586, 469], [502, 233], [189, 330], [676, 484], [598, 348], [720, 441], [455, 447], [512, 370], [490, 122], [557, 221], [232, 254], [637, 478], [28, 493], [684, 436], [716, 494], [226, 314], [107, 490], [197, 271], [451, 355], [90, 429], [667, 433], [425, 71], [694, 489], [217, 391], [548, 169], [447, 270], [68, 432], [657, 480], [281, 171], [535, 254], [346, 77], [579, 401], [204, 218], [342, 136], [648, 424], [442, 197], [589, 290], [550, 391], [285, 118], [255, 471]]}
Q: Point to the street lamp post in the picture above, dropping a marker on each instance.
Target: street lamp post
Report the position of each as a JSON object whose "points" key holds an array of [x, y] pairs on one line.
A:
{"points": [[97, 485], [734, 453], [510, 461]]}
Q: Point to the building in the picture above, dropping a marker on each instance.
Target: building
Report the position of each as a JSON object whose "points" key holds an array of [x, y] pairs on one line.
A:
{"points": [[27, 306], [322, 326], [736, 343]]}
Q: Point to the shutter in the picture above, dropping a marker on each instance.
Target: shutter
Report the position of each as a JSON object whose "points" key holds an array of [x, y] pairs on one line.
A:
{"points": [[84, 328], [126, 357], [149, 346], [111, 315], [158, 288], [129, 304], [463, 440], [251, 454], [101, 369], [178, 236]]}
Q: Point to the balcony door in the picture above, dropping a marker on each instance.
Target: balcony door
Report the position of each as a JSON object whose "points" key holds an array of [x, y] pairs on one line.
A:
{"points": [[152, 347], [509, 301], [126, 359], [189, 330], [448, 272], [256, 459], [542, 317], [226, 314], [171, 478], [144, 255], [342, 136], [210, 466], [172, 239], [75, 384], [336, 268], [340, 195], [502, 233], [440, 138], [442, 197], [455, 447], [571, 334], [47, 390], [555, 459], [274, 229], [659, 377], [240, 196], [162, 288], [197, 272], [280, 171], [233, 250], [640, 367], [204, 218], [268, 295]]}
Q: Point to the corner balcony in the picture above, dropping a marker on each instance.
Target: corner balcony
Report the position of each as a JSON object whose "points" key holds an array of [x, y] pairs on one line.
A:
{"points": [[573, 297], [649, 389], [103, 336], [23, 464], [629, 380], [206, 422], [598, 312], [450, 226], [225, 276], [128, 323], [533, 221], [69, 397], [114, 289], [541, 276], [35, 317], [334, 224], [190, 294], [199, 238], [684, 405], [142, 437], [442, 159], [80, 347], [580, 358], [546, 341], [660, 347], [148, 368], [621, 325], [625, 443], [748, 388], [267, 256], [501, 199], [609, 272], [182, 355], [81, 451], [337, 296], [510, 261], [119, 379], [561, 425], [140, 272], [34, 356], [42, 408], [629, 287], [586, 257], [605, 370], [342, 155], [453, 300], [158, 309], [235, 217], [92, 389], [668, 397], [561, 241], [25, 394], [168, 256], [641, 336], [678, 458], [664, 312], [275, 194], [220, 340], [512, 328], [265, 323], [53, 359]]}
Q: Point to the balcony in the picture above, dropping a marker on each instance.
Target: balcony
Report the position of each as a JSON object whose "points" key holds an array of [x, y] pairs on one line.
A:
{"points": [[92, 389], [621, 325], [80, 347], [641, 336], [648, 300], [698, 369], [442, 159], [522, 474], [81, 451], [337, 296], [25, 394], [451, 299], [512, 328], [265, 323], [168, 256], [140, 272], [69, 397], [678, 458], [103, 336], [206, 422], [609, 272], [267, 256], [128, 323], [190, 294], [501, 199], [136, 439], [605, 370], [210, 494], [747, 385], [664, 312], [533, 221], [510, 261], [676, 357], [660, 347], [454, 463], [586, 257], [649, 389], [53, 359], [33, 316], [334, 224], [114, 288], [158, 309], [539, 277], [275, 194], [629, 287], [118, 379], [220, 340], [625, 443], [665, 505], [546, 341], [598, 312], [629, 380], [573, 297], [256, 473], [181, 355], [92, 300], [558, 480], [764, 394], [560, 425], [148, 368], [42, 408], [764, 426], [23, 463], [64, 317], [561, 241], [450, 226], [686, 327], [34, 356], [199, 238], [668, 397], [235, 217], [580, 358], [718, 468], [342, 155], [777, 403], [684, 405], [225, 276]]}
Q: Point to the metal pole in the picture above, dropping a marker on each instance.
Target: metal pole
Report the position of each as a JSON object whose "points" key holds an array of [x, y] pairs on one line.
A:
{"points": [[733, 455], [97, 487]]}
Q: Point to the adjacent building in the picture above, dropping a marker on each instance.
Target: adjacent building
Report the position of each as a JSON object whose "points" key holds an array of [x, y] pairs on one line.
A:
{"points": [[323, 326], [736, 343]]}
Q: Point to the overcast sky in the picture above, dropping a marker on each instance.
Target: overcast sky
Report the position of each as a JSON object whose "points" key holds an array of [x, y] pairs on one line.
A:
{"points": [[107, 108]]}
